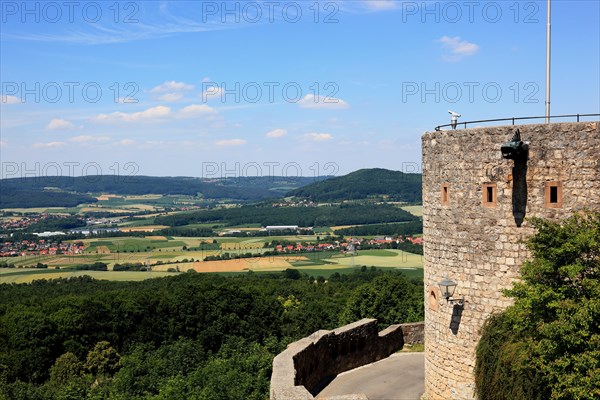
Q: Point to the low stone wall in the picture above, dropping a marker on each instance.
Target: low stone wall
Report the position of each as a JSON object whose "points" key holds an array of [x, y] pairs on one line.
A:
{"points": [[310, 364]]}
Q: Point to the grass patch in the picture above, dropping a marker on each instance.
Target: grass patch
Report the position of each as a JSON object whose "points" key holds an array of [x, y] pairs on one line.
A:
{"points": [[401, 260], [30, 276], [414, 348], [377, 253], [417, 211]]}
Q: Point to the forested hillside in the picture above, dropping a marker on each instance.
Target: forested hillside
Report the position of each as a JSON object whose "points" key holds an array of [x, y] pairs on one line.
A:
{"points": [[32, 191], [345, 214], [411, 228], [64, 191], [194, 336], [11, 197], [363, 184]]}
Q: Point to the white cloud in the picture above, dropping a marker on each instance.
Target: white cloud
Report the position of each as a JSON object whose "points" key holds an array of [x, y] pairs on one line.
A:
{"points": [[127, 100], [457, 48], [170, 97], [312, 101], [59, 124], [318, 137], [381, 4], [170, 91], [149, 114], [125, 142], [89, 138], [197, 109], [171, 86], [276, 133], [9, 99], [40, 145], [230, 142], [2, 144]]}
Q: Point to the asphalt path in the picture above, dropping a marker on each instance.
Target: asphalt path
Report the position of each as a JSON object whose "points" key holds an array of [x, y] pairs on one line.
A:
{"points": [[398, 377]]}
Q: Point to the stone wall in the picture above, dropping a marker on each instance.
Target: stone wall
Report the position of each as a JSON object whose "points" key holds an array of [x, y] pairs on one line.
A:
{"points": [[309, 364], [479, 243]]}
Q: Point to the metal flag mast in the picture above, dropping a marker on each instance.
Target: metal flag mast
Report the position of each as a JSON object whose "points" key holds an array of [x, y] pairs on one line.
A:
{"points": [[548, 66]]}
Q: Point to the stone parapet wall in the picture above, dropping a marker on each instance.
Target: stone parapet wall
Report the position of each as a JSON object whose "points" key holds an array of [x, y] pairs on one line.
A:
{"points": [[413, 333], [309, 364], [480, 244]]}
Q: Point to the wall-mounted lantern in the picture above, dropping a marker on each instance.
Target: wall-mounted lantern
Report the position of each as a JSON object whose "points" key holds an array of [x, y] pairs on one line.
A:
{"points": [[447, 287]]}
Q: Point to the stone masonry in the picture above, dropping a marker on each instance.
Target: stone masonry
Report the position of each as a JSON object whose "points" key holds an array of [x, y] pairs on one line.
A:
{"points": [[474, 202], [309, 364]]}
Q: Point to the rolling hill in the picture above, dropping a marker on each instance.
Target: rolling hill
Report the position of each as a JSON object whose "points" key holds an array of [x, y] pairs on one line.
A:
{"points": [[364, 184], [69, 191]]}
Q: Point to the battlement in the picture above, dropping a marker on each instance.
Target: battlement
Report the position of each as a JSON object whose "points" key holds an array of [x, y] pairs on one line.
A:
{"points": [[308, 365]]}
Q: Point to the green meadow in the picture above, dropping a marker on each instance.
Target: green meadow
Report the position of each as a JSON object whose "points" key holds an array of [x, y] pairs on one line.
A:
{"points": [[169, 251]]}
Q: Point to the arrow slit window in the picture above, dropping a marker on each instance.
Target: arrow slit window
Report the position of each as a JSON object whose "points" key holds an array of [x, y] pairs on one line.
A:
{"points": [[489, 196], [553, 194], [445, 195]]}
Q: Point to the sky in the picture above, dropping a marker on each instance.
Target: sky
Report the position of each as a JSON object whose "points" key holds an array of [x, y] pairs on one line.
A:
{"points": [[287, 88]]}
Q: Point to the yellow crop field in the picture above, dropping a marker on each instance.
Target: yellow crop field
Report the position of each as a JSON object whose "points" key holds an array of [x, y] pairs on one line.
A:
{"points": [[146, 228], [144, 197], [417, 211], [106, 197], [242, 245], [103, 250], [335, 228], [246, 264]]}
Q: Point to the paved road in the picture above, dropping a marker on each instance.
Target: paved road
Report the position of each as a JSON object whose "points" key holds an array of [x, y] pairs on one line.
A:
{"points": [[398, 377]]}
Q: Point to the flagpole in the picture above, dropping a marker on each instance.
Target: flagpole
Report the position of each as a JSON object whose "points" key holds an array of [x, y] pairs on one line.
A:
{"points": [[548, 66]]}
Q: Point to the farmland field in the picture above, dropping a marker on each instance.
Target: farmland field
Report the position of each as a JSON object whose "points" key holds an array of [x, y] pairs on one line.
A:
{"points": [[29, 275], [165, 253], [417, 211], [143, 228], [401, 260]]}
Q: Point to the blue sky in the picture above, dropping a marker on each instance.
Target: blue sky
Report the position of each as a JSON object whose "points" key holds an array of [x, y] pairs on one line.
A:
{"points": [[213, 88]]}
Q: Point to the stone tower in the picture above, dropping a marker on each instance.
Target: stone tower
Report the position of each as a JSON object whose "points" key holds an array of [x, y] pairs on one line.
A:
{"points": [[475, 209]]}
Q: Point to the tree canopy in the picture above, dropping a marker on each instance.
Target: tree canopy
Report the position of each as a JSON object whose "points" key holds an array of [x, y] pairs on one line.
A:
{"points": [[192, 336], [547, 345], [363, 184], [345, 214]]}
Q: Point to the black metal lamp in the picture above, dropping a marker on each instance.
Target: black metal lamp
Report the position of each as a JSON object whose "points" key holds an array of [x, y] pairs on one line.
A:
{"points": [[448, 287]]}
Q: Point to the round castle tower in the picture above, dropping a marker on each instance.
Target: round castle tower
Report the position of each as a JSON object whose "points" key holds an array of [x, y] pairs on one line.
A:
{"points": [[475, 209]]}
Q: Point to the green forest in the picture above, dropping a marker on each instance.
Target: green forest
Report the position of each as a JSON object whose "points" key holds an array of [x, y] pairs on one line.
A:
{"points": [[193, 336], [16, 198], [55, 223], [345, 214], [65, 191], [31, 192], [364, 184], [409, 228]]}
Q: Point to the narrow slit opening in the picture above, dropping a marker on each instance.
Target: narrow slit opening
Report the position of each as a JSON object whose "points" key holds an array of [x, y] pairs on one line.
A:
{"points": [[553, 194]]}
